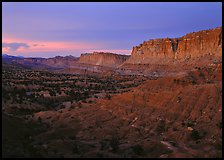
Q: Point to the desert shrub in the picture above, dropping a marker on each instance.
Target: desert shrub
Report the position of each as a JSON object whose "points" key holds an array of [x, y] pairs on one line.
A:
{"points": [[39, 120], [176, 81], [108, 96], [137, 149], [86, 94], [195, 135], [189, 123], [114, 142], [201, 75], [175, 129], [72, 107], [198, 68], [219, 125], [90, 101], [104, 145], [161, 127], [194, 82]]}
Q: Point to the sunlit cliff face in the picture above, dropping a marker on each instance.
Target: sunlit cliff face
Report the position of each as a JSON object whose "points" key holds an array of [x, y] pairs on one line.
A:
{"points": [[103, 59], [192, 45]]}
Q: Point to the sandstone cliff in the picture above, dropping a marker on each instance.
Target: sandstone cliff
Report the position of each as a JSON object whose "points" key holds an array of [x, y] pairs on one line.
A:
{"points": [[196, 44], [66, 61], [103, 59]]}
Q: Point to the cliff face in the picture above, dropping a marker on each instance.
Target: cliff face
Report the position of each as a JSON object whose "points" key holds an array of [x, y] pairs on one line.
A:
{"points": [[103, 59], [196, 44], [61, 61]]}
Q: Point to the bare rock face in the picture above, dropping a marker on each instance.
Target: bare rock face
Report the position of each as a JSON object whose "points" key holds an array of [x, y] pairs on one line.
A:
{"points": [[103, 59], [196, 44]]}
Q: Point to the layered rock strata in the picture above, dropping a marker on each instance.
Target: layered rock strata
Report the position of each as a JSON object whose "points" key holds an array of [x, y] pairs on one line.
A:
{"points": [[103, 59], [196, 44]]}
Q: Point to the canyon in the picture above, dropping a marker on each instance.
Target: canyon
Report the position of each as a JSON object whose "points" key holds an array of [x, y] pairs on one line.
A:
{"points": [[162, 101]]}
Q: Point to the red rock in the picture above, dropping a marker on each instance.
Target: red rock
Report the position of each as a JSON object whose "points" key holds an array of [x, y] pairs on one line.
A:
{"points": [[103, 59], [196, 44]]}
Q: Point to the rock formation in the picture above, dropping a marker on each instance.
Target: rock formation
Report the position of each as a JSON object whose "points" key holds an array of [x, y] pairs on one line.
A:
{"points": [[66, 61], [103, 59], [164, 51], [196, 44]]}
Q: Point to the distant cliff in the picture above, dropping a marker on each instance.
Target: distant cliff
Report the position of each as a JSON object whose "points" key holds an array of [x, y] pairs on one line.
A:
{"points": [[196, 44], [55, 62], [157, 51], [103, 59]]}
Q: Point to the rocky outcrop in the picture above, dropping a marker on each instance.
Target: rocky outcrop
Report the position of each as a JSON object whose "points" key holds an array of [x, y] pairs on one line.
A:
{"points": [[103, 59], [196, 44], [66, 61]]}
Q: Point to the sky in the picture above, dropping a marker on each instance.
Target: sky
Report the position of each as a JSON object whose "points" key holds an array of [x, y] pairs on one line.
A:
{"points": [[48, 29]]}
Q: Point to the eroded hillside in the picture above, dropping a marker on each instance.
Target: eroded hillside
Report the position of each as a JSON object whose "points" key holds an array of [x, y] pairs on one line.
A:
{"points": [[175, 116]]}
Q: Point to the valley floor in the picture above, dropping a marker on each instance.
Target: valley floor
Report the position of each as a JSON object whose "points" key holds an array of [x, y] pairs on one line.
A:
{"points": [[61, 115]]}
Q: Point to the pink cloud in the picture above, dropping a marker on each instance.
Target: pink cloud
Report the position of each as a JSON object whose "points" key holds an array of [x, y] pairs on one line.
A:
{"points": [[55, 46], [14, 46], [46, 46]]}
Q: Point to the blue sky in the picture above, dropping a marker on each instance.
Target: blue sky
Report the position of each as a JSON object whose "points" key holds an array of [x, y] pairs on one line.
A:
{"points": [[71, 28]]}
